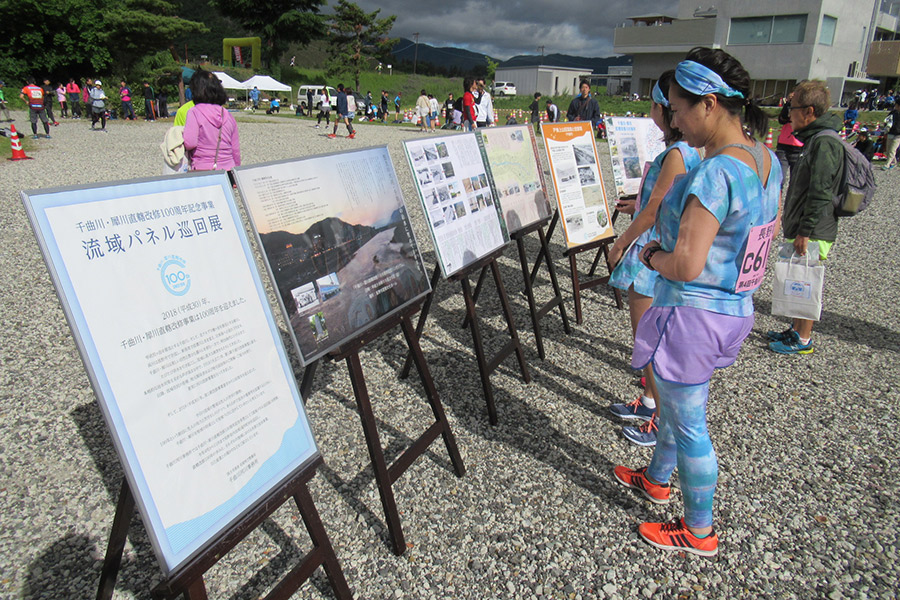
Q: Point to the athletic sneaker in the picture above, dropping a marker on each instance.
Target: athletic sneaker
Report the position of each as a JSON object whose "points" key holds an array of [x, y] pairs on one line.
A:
{"points": [[331, 135], [47, 136], [781, 336], [633, 410], [637, 480], [644, 435], [676, 536], [35, 136], [352, 136], [792, 345]]}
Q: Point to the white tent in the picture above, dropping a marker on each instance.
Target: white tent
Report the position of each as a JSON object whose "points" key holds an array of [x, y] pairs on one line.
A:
{"points": [[265, 83], [229, 82]]}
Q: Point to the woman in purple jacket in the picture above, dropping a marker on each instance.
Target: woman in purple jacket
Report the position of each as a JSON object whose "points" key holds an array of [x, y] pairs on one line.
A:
{"points": [[210, 133]]}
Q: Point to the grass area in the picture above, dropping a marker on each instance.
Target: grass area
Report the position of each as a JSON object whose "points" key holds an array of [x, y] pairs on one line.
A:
{"points": [[27, 144]]}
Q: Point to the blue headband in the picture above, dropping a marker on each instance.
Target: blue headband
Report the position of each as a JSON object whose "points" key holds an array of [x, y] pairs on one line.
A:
{"points": [[658, 96], [700, 80]]}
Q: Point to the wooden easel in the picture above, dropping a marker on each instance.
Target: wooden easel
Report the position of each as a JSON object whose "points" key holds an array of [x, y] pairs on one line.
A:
{"points": [[578, 285], [188, 580], [385, 475], [485, 366]]}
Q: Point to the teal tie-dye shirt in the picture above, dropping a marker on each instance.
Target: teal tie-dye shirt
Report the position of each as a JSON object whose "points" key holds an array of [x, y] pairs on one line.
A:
{"points": [[733, 193]]}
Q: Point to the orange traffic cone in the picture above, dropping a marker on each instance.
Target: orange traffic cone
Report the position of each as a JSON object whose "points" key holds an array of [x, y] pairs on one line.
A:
{"points": [[769, 138], [16, 144]]}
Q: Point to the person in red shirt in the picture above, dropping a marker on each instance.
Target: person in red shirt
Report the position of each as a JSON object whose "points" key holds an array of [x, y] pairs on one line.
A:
{"points": [[34, 96], [74, 93], [469, 104]]}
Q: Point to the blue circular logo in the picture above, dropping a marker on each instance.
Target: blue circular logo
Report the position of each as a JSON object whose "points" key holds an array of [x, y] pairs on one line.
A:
{"points": [[175, 277]]}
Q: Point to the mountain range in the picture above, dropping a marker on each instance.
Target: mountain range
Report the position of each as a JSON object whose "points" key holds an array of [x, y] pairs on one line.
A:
{"points": [[448, 58]]}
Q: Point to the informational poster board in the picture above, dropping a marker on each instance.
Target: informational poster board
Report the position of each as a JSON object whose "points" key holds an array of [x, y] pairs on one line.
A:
{"points": [[633, 142], [517, 175], [462, 213], [159, 285], [583, 207], [338, 243]]}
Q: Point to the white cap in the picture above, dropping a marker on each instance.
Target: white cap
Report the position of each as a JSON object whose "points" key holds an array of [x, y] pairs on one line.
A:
{"points": [[97, 82]]}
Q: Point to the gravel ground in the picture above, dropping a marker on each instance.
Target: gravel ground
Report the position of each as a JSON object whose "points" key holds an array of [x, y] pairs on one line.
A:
{"points": [[806, 507]]}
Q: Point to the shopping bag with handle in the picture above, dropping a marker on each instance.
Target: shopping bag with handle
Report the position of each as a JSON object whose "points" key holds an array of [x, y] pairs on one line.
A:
{"points": [[797, 290]]}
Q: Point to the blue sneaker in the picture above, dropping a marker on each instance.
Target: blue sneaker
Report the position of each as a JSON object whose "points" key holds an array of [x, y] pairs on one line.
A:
{"points": [[791, 345], [632, 410], [645, 435], [781, 336]]}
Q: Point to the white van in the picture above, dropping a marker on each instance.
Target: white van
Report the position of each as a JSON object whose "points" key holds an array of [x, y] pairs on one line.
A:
{"points": [[316, 91]]}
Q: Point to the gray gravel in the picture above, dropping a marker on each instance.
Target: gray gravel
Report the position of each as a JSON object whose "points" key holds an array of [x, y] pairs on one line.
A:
{"points": [[806, 506]]}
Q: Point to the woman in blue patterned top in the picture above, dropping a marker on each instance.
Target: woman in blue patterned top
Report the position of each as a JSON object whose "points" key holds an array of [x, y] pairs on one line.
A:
{"points": [[714, 229], [629, 274]]}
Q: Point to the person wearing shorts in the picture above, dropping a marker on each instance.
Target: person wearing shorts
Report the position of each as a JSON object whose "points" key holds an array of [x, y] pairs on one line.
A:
{"points": [[33, 95], [702, 305], [628, 274], [808, 210]]}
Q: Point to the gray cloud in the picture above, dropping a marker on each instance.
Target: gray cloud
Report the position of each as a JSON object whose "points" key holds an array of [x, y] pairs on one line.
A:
{"points": [[505, 29]]}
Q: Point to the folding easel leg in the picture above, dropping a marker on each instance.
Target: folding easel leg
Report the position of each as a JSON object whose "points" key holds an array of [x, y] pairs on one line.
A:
{"points": [[196, 591], [116, 545], [576, 286], [507, 313], [542, 253], [433, 399], [476, 293], [376, 453], [616, 292], [601, 251], [554, 281], [320, 540], [479, 351], [423, 315], [529, 293]]}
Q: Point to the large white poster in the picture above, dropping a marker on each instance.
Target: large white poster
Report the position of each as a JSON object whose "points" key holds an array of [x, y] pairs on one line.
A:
{"points": [[338, 242], [633, 142], [583, 209], [164, 299], [461, 210]]}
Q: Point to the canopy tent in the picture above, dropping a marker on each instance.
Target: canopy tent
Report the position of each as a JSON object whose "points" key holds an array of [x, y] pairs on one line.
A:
{"points": [[229, 82], [265, 83]]}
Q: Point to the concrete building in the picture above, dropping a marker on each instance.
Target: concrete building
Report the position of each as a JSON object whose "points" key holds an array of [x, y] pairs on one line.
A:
{"points": [[780, 42], [548, 80]]}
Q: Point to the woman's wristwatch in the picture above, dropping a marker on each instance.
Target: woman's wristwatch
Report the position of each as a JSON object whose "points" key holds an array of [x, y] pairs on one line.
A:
{"points": [[648, 254]]}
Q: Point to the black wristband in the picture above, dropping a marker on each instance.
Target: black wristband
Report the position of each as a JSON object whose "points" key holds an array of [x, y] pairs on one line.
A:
{"points": [[648, 255]]}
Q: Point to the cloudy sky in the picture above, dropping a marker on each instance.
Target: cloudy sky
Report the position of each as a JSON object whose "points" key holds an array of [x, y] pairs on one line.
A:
{"points": [[506, 28]]}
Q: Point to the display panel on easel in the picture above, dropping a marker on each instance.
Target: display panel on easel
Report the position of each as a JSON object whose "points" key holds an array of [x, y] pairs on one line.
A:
{"points": [[161, 291], [583, 207], [338, 242], [517, 174], [633, 142], [462, 213]]}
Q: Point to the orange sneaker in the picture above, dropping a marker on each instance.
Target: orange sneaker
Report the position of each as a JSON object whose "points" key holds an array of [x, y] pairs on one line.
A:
{"points": [[676, 536], [637, 480]]}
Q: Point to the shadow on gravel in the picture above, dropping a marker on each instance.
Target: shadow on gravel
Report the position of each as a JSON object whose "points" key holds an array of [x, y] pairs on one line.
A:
{"points": [[134, 576], [850, 329], [63, 570]]}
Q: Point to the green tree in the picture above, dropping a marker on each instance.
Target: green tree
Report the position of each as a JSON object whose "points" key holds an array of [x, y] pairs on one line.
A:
{"points": [[137, 28], [491, 68], [356, 38], [59, 38], [277, 22]]}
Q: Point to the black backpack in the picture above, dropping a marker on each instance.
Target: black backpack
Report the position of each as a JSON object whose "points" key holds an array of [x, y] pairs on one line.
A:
{"points": [[857, 181]]}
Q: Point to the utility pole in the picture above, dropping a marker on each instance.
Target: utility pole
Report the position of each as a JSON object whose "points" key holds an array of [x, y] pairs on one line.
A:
{"points": [[541, 48], [416, 55]]}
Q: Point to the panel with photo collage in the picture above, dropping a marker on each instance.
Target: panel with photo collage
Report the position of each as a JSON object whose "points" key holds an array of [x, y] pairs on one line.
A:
{"points": [[453, 182]]}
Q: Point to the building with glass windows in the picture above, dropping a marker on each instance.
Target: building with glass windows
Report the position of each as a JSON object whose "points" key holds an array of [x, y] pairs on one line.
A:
{"points": [[849, 44]]}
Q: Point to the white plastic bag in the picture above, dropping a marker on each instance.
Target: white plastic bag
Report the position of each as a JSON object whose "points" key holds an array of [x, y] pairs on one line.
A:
{"points": [[797, 290]]}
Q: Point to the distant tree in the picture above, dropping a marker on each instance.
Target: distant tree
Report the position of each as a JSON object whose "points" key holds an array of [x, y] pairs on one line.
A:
{"points": [[60, 38], [137, 28], [277, 22], [491, 68], [356, 38]]}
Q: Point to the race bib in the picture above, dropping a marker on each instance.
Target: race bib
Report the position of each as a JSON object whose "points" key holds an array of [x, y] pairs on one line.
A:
{"points": [[756, 255]]}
